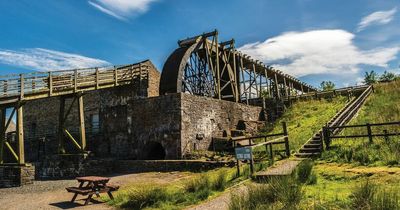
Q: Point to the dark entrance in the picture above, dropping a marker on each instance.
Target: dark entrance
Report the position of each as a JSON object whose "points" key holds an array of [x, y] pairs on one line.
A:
{"points": [[155, 151]]}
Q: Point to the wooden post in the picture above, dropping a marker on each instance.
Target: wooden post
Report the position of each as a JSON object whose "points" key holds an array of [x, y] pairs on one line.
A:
{"points": [[82, 131], [369, 133], [2, 133], [271, 154], [97, 78], [61, 120], [285, 133], [278, 95], [321, 134], [50, 84], [75, 80], [251, 163], [327, 139], [217, 65], [115, 77], [22, 86], [237, 167], [20, 134]]}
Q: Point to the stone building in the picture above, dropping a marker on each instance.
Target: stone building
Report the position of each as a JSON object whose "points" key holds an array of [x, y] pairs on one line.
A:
{"points": [[133, 122]]}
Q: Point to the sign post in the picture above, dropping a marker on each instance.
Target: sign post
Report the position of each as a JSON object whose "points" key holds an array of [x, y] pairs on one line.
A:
{"points": [[244, 153]]}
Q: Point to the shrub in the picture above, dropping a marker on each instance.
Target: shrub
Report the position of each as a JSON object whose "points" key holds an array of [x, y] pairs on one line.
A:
{"points": [[312, 179], [304, 171]]}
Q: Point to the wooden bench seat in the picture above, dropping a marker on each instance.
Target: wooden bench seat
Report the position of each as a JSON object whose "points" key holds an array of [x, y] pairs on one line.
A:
{"points": [[80, 190]]}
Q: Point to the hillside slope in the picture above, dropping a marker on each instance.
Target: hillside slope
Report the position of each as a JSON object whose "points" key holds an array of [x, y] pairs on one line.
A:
{"points": [[382, 106], [304, 118]]}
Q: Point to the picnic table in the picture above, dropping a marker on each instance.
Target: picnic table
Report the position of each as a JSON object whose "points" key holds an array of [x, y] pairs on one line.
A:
{"points": [[92, 185]]}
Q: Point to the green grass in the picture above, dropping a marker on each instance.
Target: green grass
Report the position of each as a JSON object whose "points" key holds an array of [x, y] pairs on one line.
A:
{"points": [[304, 118], [180, 194], [381, 106], [341, 186]]}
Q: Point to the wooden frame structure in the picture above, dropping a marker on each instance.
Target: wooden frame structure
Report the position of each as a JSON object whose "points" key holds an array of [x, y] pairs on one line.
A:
{"points": [[17, 89], [235, 76]]}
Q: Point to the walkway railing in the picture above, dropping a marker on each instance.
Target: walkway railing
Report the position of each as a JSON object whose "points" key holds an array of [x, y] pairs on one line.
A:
{"points": [[35, 85]]}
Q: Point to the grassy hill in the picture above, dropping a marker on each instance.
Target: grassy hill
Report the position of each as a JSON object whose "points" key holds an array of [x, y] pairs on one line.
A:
{"points": [[382, 106], [304, 118]]}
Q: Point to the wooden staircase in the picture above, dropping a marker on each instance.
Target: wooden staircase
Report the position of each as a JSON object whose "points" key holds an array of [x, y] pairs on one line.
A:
{"points": [[315, 145]]}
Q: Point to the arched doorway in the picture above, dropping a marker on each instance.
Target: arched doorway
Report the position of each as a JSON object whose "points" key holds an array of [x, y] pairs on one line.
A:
{"points": [[154, 151]]}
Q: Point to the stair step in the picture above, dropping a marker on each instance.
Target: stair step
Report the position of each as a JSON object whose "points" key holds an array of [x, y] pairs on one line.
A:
{"points": [[308, 155], [316, 138], [312, 145], [310, 150], [314, 141]]}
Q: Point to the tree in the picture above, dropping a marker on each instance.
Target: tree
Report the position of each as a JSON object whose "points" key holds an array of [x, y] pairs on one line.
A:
{"points": [[327, 85], [370, 77], [387, 77]]}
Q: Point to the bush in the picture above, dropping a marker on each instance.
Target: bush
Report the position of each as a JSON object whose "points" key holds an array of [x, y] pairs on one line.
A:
{"points": [[197, 184], [304, 171], [312, 179]]}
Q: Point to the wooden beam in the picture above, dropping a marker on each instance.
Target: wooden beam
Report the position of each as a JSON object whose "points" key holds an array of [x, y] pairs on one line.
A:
{"points": [[82, 131], [2, 133], [20, 134]]}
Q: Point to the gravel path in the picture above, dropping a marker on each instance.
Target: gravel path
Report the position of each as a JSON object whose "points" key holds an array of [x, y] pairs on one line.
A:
{"points": [[52, 194]]}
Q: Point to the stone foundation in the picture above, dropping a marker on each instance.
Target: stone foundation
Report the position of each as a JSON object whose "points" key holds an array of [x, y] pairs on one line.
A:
{"points": [[15, 176]]}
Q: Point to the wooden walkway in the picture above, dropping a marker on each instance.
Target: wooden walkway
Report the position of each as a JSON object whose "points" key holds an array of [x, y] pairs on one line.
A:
{"points": [[281, 168]]}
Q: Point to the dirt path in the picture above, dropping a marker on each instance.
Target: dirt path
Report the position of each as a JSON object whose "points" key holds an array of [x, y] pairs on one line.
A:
{"points": [[52, 194]]}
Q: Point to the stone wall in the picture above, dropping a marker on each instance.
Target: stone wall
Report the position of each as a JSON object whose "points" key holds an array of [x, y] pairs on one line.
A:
{"points": [[41, 116], [73, 166], [15, 176], [142, 127], [204, 118]]}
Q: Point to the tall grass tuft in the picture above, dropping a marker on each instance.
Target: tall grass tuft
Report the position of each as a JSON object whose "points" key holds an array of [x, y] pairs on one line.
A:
{"points": [[304, 171], [362, 195], [145, 197], [386, 200], [221, 181], [285, 192]]}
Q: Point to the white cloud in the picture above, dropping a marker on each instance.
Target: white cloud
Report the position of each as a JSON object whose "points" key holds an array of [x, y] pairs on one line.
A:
{"points": [[122, 9], [47, 60], [317, 52], [377, 18]]}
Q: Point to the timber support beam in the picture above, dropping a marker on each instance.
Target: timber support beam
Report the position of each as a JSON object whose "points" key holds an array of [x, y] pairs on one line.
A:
{"points": [[63, 133]]}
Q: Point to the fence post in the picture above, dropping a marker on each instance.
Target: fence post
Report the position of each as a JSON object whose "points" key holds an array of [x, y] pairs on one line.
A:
{"points": [[251, 163], [369, 133], [285, 133], [326, 137], [271, 154]]}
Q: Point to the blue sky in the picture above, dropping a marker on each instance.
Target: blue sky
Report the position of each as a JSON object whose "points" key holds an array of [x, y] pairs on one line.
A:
{"points": [[313, 39]]}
